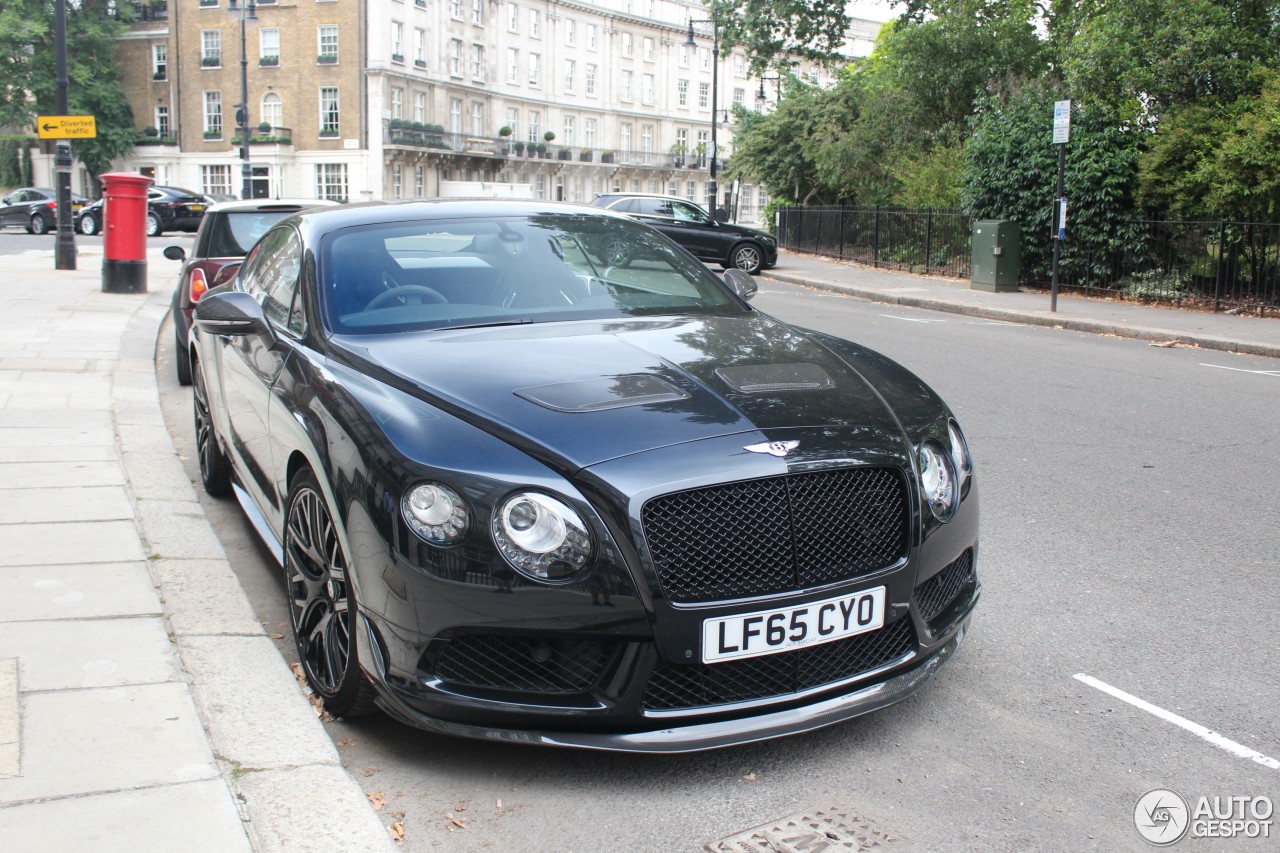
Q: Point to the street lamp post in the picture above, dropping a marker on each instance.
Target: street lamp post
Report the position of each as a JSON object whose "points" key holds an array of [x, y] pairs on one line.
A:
{"points": [[247, 12], [64, 247], [714, 21], [762, 100]]}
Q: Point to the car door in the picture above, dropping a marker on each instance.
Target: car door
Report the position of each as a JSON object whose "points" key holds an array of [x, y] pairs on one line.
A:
{"points": [[13, 210], [699, 233], [250, 364]]}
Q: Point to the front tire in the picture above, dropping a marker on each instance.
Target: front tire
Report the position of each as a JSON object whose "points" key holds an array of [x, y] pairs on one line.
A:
{"points": [[215, 468], [322, 601], [748, 258], [182, 361], [38, 225], [88, 225], [153, 225]]}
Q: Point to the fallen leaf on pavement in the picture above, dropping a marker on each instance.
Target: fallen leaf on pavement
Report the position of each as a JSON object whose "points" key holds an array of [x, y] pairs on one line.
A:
{"points": [[397, 832], [1167, 344], [369, 771], [276, 636], [453, 820], [345, 742], [750, 777], [377, 800]]}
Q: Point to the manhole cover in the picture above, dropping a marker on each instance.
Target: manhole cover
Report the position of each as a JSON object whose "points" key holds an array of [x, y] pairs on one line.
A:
{"points": [[813, 832]]}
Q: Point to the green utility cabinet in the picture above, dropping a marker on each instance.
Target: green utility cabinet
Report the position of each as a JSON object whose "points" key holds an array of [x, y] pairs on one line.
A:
{"points": [[997, 255]]}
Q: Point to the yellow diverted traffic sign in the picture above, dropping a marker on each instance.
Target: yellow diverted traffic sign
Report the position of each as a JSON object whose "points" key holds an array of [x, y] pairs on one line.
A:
{"points": [[67, 127]]}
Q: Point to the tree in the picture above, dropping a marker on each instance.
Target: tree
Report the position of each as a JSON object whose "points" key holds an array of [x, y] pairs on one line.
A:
{"points": [[28, 72], [773, 32]]}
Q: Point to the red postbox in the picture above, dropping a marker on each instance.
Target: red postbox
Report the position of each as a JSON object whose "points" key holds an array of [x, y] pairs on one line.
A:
{"points": [[124, 232]]}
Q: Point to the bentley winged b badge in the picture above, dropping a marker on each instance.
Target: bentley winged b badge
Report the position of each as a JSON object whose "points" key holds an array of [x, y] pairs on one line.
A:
{"points": [[773, 448]]}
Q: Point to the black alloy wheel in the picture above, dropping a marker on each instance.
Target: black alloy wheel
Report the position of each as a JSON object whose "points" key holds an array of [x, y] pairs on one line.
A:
{"points": [[215, 468], [38, 225], [322, 602], [747, 257]]}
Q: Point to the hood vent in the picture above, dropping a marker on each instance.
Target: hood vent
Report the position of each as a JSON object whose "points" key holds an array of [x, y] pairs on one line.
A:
{"points": [[594, 395], [771, 378]]}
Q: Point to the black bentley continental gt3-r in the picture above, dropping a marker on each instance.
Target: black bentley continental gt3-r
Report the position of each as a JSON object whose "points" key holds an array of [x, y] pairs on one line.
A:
{"points": [[520, 494]]}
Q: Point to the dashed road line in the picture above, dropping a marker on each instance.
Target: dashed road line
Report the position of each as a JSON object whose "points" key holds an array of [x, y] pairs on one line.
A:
{"points": [[1218, 740], [1242, 369]]}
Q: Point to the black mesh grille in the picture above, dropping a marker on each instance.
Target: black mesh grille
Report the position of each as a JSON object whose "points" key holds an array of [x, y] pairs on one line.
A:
{"points": [[524, 664], [933, 596], [759, 537], [674, 687]]}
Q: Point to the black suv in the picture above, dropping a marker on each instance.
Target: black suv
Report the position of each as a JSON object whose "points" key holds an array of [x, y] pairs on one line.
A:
{"points": [[693, 228], [35, 208]]}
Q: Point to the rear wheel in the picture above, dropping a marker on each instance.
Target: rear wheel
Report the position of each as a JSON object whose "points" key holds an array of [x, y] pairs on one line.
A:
{"points": [[322, 601], [153, 225], [215, 468], [88, 225], [38, 225], [182, 361]]}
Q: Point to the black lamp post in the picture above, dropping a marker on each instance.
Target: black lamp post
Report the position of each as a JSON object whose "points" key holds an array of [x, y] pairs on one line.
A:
{"points": [[64, 247], [247, 12], [761, 98], [714, 21]]}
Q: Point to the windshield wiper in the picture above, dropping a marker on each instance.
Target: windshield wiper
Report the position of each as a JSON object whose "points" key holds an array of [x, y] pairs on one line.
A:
{"points": [[518, 322]]}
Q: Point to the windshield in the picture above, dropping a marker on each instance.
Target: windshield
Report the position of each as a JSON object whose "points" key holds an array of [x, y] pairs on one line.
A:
{"points": [[457, 273]]}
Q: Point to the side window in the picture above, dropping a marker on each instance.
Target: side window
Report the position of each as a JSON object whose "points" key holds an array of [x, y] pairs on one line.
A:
{"points": [[688, 213], [653, 207], [272, 274]]}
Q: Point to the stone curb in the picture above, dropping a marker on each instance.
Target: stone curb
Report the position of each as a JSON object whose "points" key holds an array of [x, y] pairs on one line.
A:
{"points": [[1076, 324], [274, 754]]}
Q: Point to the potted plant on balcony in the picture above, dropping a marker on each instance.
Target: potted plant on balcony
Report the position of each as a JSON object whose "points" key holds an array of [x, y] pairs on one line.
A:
{"points": [[585, 155], [606, 156], [268, 60], [264, 128], [519, 147], [327, 58], [504, 133], [677, 154]]}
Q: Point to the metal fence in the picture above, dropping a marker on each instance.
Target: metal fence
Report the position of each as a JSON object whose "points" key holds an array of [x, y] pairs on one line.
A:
{"points": [[1213, 264], [927, 241]]}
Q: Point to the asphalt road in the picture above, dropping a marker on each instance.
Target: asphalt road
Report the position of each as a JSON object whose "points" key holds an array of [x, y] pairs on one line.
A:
{"points": [[15, 241], [1129, 535]]}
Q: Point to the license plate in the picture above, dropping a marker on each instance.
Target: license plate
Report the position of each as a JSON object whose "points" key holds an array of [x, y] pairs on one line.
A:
{"points": [[196, 208], [766, 632]]}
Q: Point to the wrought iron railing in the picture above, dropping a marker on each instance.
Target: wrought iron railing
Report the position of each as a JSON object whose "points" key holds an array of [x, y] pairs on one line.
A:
{"points": [[916, 240]]}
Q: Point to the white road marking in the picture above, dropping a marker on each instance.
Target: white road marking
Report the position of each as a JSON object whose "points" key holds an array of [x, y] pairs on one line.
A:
{"points": [[1242, 370], [910, 319], [1218, 740]]}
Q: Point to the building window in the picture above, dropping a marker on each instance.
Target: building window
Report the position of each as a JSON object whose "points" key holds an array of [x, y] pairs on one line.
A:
{"points": [[684, 55], [455, 115], [331, 181], [477, 62], [682, 93], [535, 130], [455, 9], [682, 139], [535, 24], [419, 47], [626, 44], [329, 112], [593, 37], [397, 102], [739, 65], [397, 180], [589, 132], [420, 107], [162, 121], [570, 70], [513, 18], [690, 190], [624, 141], [513, 120], [569, 128], [590, 77], [477, 12], [624, 86], [535, 70], [513, 66], [213, 114], [269, 46], [647, 47], [215, 180], [646, 138], [540, 186], [477, 118], [210, 48], [455, 57], [570, 32], [704, 95], [419, 181], [647, 91], [328, 39], [159, 61], [739, 95], [397, 41], [272, 110], [704, 58]]}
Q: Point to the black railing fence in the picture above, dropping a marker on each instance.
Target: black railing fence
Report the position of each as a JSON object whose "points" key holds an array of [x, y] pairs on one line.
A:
{"points": [[1214, 264], [927, 241]]}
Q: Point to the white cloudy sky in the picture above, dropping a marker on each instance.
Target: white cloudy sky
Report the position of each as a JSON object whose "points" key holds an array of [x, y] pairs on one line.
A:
{"points": [[872, 10]]}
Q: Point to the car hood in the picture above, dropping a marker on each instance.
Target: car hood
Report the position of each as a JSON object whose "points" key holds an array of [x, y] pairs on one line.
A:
{"points": [[584, 392]]}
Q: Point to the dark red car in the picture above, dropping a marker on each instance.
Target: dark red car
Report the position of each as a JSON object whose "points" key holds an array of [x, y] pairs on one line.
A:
{"points": [[227, 233]]}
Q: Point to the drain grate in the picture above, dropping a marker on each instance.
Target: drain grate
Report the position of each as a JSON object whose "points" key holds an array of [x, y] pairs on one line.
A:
{"points": [[816, 832]]}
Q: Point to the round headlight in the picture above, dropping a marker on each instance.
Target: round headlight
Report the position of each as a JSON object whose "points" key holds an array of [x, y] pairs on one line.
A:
{"points": [[960, 452], [541, 537], [938, 480], [435, 513]]}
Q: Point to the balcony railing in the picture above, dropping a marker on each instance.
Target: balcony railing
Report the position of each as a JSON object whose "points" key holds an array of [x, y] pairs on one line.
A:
{"points": [[269, 136], [419, 135]]}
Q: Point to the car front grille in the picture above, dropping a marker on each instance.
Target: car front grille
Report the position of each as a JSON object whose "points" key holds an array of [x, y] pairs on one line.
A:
{"points": [[524, 664], [776, 534], [675, 687], [934, 595]]}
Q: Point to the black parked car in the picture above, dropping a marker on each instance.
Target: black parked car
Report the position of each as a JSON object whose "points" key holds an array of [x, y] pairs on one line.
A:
{"points": [[520, 493], [708, 239], [168, 209], [35, 208]]}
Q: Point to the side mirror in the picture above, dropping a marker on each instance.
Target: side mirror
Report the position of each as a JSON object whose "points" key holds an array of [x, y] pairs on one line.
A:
{"points": [[231, 312], [175, 253], [741, 283]]}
